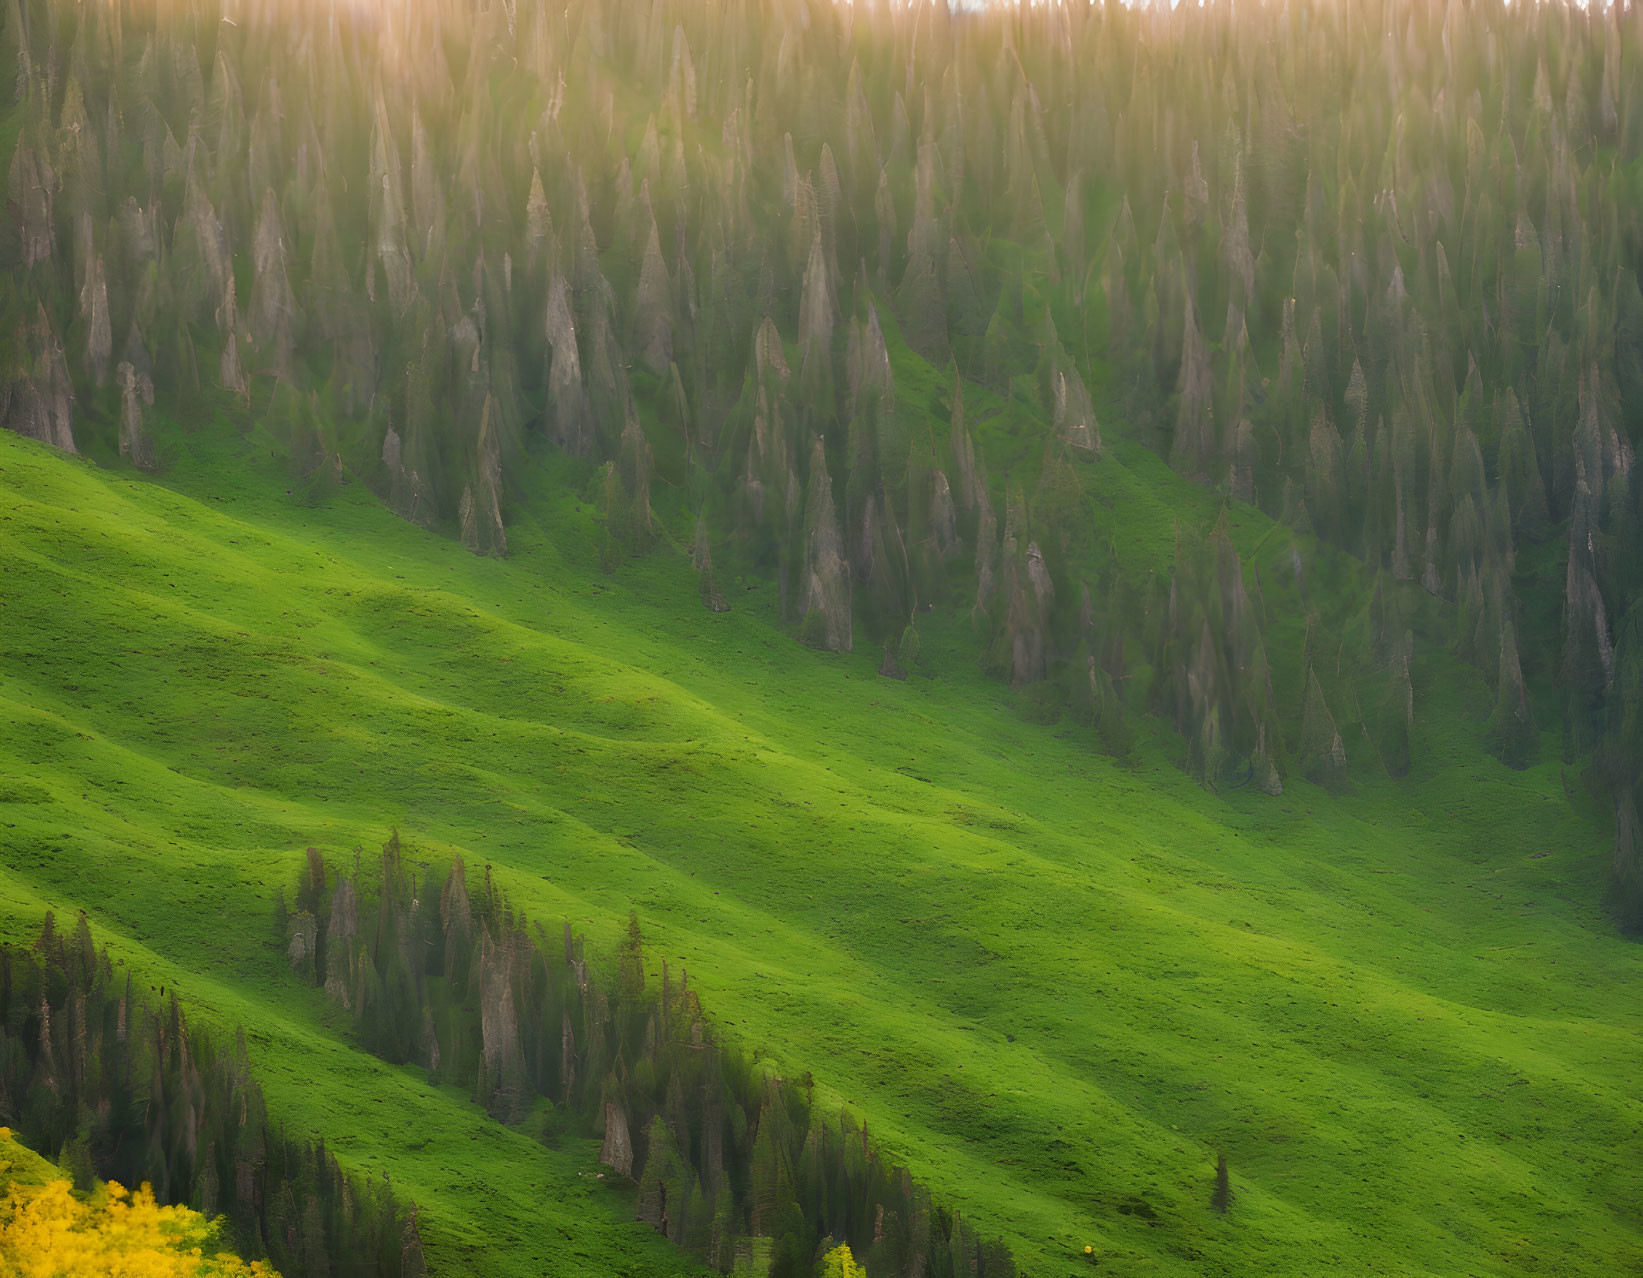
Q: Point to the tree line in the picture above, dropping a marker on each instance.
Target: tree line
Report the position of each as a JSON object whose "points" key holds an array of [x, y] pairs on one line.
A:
{"points": [[118, 1086], [742, 1166], [859, 294]]}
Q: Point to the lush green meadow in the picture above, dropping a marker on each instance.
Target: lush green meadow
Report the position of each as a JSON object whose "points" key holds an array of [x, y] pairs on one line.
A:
{"points": [[1055, 985]]}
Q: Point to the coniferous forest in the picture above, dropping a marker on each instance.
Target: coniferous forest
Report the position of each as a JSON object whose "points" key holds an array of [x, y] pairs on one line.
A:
{"points": [[732, 1163], [1384, 289], [1090, 545], [97, 1071]]}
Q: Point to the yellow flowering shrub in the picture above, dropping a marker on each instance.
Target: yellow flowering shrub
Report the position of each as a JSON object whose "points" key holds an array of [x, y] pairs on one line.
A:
{"points": [[839, 1263], [49, 1231]]}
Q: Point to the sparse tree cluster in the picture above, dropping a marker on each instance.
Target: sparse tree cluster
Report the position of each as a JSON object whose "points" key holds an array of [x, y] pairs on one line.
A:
{"points": [[737, 1164], [118, 1087]]}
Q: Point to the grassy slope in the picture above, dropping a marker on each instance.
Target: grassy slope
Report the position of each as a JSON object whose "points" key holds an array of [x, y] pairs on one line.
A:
{"points": [[1055, 986], [20, 1165]]}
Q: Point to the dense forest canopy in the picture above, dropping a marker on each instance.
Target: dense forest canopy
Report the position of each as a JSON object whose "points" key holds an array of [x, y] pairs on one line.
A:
{"points": [[856, 297]]}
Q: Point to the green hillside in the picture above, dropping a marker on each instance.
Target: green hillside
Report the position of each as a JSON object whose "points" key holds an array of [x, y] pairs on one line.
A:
{"points": [[1079, 567], [1055, 985], [20, 1165]]}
